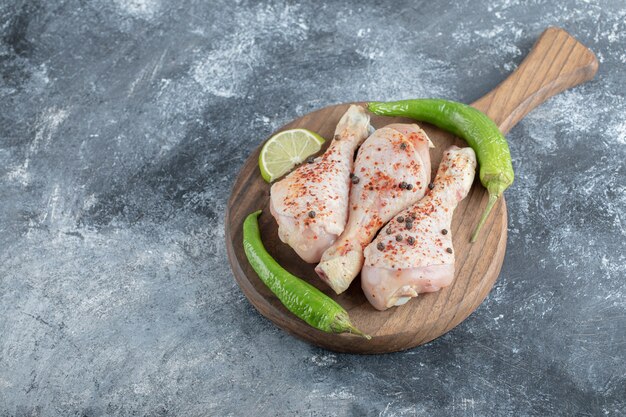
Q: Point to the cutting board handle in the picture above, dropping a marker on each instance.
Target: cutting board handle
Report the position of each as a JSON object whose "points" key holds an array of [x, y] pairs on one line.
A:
{"points": [[556, 62]]}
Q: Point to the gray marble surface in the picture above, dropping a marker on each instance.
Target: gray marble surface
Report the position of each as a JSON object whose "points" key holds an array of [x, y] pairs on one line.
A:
{"points": [[122, 127]]}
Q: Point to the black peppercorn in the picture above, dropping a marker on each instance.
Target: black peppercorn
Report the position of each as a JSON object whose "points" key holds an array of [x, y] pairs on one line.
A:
{"points": [[355, 179], [403, 145], [444, 232], [409, 186], [401, 219], [310, 159], [380, 246], [311, 214], [449, 250], [431, 186], [410, 240], [399, 238], [388, 231]]}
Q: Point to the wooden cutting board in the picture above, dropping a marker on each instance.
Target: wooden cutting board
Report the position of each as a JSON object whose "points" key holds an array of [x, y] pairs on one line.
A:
{"points": [[556, 62]]}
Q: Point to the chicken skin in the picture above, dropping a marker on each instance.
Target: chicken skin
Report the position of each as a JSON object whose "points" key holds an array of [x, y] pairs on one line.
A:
{"points": [[310, 204], [391, 172], [404, 261]]}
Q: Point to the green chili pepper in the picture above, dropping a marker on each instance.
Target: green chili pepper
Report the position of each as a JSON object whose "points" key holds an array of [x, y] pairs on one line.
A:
{"points": [[300, 297], [478, 130]]}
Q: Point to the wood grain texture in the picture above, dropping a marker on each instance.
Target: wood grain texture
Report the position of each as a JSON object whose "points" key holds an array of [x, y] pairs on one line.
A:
{"points": [[556, 62]]}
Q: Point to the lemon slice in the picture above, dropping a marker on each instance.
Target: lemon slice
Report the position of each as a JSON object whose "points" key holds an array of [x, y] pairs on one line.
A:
{"points": [[285, 150]]}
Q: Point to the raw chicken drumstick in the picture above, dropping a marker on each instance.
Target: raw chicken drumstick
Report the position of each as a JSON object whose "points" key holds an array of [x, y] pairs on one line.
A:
{"points": [[391, 172], [404, 261], [310, 204]]}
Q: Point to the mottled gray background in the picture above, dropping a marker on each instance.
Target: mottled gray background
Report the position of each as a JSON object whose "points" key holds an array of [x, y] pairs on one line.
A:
{"points": [[122, 126]]}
